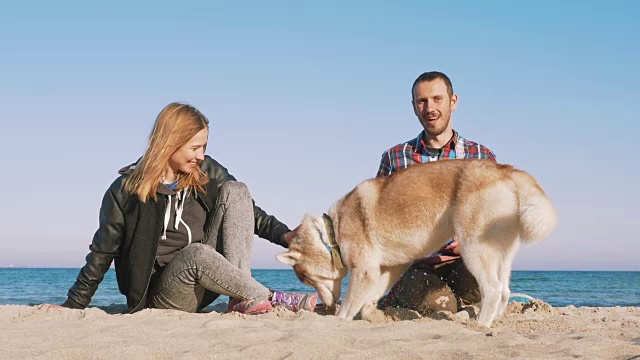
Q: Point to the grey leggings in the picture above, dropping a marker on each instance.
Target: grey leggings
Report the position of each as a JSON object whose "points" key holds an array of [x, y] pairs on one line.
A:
{"points": [[200, 273]]}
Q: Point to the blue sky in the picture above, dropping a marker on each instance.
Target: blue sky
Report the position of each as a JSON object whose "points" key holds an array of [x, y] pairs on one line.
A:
{"points": [[304, 98]]}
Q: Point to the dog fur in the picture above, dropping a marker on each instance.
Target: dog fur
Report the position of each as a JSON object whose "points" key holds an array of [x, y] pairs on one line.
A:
{"points": [[385, 224]]}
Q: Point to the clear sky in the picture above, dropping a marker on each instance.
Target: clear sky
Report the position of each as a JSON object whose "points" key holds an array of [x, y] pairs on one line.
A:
{"points": [[303, 98]]}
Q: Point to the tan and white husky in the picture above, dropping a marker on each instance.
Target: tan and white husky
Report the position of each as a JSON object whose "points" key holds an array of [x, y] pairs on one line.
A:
{"points": [[385, 224]]}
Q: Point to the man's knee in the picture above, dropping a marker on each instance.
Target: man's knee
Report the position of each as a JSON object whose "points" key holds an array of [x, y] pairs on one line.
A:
{"points": [[464, 284], [425, 292]]}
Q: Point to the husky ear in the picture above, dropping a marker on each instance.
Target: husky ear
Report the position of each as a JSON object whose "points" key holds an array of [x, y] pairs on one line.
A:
{"points": [[311, 218], [289, 257], [315, 221], [318, 221]]}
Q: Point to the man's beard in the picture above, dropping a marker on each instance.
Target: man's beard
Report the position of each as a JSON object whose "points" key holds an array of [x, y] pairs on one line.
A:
{"points": [[438, 130]]}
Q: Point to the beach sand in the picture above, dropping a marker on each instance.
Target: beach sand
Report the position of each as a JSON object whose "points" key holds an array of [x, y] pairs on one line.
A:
{"points": [[528, 331]]}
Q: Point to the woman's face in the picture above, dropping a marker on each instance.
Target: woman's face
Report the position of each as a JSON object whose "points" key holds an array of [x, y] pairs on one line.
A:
{"points": [[190, 155]]}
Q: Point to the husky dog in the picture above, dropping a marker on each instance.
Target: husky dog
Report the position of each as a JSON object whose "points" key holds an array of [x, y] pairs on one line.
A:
{"points": [[385, 224]]}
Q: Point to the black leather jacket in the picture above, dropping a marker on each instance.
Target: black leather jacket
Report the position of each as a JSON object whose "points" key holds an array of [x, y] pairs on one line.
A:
{"points": [[129, 233]]}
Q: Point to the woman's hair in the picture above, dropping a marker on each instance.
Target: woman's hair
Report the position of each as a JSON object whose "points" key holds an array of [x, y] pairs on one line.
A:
{"points": [[175, 125]]}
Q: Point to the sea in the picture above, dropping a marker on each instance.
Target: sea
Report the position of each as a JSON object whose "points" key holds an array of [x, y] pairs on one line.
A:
{"points": [[32, 286]]}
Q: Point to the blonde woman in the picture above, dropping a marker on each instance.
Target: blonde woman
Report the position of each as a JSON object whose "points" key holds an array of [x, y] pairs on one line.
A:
{"points": [[180, 229]]}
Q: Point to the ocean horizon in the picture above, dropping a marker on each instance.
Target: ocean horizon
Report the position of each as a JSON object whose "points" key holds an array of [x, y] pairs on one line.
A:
{"points": [[31, 286]]}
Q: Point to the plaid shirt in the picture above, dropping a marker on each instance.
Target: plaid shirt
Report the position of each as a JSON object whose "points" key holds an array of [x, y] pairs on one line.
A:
{"points": [[415, 151]]}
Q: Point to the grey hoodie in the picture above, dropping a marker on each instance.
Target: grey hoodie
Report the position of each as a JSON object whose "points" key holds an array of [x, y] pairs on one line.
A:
{"points": [[184, 220]]}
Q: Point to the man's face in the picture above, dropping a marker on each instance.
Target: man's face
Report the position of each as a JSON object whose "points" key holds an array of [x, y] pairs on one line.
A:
{"points": [[433, 107]]}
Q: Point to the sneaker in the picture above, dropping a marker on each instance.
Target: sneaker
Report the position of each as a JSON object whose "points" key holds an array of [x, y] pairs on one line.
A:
{"points": [[294, 301], [250, 307]]}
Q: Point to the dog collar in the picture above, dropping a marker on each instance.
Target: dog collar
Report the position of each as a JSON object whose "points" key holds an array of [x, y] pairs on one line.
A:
{"points": [[333, 243]]}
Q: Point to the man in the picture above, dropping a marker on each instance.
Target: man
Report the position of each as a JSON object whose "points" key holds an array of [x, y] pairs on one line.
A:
{"points": [[440, 281]]}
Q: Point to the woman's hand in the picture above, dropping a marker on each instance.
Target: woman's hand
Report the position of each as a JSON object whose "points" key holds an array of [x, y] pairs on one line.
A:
{"points": [[288, 237]]}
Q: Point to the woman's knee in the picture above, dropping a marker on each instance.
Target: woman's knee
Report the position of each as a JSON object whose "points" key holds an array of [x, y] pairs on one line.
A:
{"points": [[235, 190], [198, 252]]}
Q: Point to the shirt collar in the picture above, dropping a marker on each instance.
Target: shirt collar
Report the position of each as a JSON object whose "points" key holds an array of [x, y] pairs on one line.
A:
{"points": [[421, 146]]}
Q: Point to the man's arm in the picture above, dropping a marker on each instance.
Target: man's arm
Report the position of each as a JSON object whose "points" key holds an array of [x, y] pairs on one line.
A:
{"points": [[385, 165]]}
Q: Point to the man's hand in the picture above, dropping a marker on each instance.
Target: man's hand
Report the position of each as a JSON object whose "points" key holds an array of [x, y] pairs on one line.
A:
{"points": [[453, 247]]}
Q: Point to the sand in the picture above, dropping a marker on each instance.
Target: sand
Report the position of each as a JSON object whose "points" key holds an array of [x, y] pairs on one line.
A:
{"points": [[528, 331]]}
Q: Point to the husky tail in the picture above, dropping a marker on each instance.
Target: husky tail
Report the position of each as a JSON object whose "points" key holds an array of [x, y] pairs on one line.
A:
{"points": [[537, 214]]}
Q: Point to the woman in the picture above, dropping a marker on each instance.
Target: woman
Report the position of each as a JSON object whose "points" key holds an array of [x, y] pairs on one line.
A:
{"points": [[180, 229]]}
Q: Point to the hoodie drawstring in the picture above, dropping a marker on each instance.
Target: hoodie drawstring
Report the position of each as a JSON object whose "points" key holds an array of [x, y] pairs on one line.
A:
{"points": [[179, 209], [181, 198], [167, 215]]}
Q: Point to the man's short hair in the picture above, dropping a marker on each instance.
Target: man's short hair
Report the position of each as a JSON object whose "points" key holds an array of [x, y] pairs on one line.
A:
{"points": [[431, 76]]}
